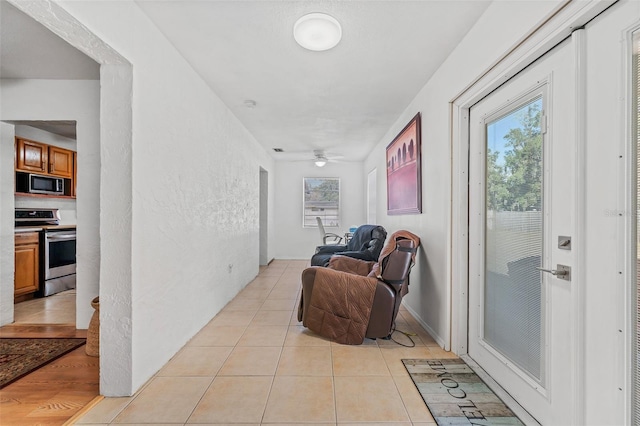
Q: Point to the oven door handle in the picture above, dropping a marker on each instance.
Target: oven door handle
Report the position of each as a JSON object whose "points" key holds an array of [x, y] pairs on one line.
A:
{"points": [[61, 237]]}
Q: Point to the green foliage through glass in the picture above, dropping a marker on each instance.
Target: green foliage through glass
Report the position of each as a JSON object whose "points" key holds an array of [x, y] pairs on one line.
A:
{"points": [[514, 160], [321, 199]]}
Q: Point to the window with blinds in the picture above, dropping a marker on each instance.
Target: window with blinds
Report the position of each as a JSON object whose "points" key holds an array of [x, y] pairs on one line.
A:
{"points": [[321, 199]]}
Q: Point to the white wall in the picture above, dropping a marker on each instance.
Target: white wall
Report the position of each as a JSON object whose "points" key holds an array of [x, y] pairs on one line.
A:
{"points": [[7, 218], [429, 297], [195, 197], [62, 100], [292, 240]]}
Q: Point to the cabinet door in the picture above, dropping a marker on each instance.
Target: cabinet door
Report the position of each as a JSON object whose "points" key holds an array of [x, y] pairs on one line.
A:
{"points": [[60, 162], [74, 181], [27, 278], [31, 156]]}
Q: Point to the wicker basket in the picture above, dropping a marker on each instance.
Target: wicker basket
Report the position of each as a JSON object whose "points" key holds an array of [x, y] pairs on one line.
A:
{"points": [[92, 348]]}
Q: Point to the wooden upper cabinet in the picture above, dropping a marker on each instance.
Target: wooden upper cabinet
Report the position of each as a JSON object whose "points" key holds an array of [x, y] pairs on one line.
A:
{"points": [[36, 157], [60, 162], [32, 156]]}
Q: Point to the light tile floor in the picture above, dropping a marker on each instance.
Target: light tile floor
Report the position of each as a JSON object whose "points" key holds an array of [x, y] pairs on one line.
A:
{"points": [[59, 308], [254, 363]]}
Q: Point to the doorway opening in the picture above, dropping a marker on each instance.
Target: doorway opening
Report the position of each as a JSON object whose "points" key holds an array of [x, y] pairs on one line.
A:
{"points": [[45, 249], [372, 196], [104, 211], [264, 217]]}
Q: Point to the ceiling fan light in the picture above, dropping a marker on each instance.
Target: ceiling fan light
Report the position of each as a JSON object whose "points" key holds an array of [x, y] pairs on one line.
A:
{"points": [[317, 31], [320, 161]]}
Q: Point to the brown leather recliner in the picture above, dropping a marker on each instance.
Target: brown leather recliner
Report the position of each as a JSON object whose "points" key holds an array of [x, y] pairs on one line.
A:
{"points": [[355, 299]]}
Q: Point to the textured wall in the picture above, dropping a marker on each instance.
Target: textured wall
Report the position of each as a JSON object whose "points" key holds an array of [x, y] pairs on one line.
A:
{"points": [[7, 264], [192, 175], [116, 305]]}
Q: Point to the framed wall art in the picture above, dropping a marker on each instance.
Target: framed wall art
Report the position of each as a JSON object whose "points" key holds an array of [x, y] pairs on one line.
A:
{"points": [[404, 175]]}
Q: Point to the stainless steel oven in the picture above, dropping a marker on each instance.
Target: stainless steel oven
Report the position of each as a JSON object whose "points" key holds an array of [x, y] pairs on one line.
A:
{"points": [[59, 260], [57, 248]]}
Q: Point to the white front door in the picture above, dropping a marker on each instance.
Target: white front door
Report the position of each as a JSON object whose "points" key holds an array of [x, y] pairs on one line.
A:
{"points": [[521, 206]]}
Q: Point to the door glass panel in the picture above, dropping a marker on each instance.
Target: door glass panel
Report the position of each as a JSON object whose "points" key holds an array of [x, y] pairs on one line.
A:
{"points": [[514, 237]]}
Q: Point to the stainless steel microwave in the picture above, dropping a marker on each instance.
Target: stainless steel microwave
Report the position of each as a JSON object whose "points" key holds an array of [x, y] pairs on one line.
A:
{"points": [[39, 184]]}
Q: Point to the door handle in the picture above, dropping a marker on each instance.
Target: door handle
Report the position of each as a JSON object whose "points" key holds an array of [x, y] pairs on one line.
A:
{"points": [[61, 237], [553, 271], [563, 272]]}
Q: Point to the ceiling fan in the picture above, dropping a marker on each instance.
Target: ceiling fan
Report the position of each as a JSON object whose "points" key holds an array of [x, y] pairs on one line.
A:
{"points": [[320, 157]]}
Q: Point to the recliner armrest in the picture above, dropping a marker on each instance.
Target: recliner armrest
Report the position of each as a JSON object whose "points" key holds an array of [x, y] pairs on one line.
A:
{"points": [[308, 278], [362, 255], [334, 248]]}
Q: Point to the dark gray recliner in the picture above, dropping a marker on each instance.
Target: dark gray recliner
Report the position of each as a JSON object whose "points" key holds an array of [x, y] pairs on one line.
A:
{"points": [[366, 244]]}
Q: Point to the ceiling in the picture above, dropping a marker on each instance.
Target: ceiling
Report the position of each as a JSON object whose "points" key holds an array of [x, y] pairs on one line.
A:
{"points": [[342, 101], [66, 128]]}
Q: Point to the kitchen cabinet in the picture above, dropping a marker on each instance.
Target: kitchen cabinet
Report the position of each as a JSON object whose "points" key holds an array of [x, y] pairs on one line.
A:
{"points": [[60, 162], [40, 158], [31, 156], [27, 265], [36, 157]]}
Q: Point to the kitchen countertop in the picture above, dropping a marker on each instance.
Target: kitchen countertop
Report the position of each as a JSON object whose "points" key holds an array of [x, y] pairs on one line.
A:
{"points": [[38, 228]]}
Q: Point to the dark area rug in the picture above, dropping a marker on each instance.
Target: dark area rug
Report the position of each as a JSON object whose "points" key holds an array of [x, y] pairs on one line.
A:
{"points": [[19, 357], [455, 395]]}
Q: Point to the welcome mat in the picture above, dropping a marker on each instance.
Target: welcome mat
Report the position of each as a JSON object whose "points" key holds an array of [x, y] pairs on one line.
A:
{"points": [[19, 357], [455, 395]]}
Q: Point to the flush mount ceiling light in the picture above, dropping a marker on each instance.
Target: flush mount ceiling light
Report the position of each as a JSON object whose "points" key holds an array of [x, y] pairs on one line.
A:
{"points": [[317, 31]]}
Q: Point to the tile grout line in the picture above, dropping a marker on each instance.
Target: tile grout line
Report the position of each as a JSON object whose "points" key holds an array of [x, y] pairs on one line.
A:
{"points": [[282, 345], [186, 345], [273, 378], [333, 385], [210, 383], [227, 357]]}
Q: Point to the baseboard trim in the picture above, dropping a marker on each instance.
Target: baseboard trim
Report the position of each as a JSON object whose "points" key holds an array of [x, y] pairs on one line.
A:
{"points": [[440, 341]]}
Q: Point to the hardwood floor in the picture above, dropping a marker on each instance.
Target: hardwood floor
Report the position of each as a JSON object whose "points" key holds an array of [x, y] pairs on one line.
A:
{"points": [[57, 391]]}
